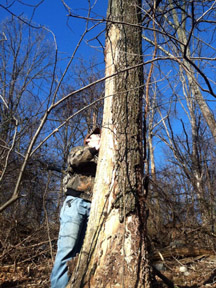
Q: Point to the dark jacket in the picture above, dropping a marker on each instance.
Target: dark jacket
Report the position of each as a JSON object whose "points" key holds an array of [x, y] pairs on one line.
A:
{"points": [[81, 170]]}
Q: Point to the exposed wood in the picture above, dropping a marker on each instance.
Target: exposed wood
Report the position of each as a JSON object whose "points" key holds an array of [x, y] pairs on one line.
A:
{"points": [[115, 253]]}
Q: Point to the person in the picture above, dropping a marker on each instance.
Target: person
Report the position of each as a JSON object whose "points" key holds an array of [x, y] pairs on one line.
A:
{"points": [[78, 185]]}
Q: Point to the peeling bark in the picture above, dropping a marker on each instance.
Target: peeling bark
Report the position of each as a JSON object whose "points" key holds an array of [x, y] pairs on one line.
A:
{"points": [[115, 253]]}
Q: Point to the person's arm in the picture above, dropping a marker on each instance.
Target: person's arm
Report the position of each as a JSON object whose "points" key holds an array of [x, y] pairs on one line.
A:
{"points": [[81, 155]]}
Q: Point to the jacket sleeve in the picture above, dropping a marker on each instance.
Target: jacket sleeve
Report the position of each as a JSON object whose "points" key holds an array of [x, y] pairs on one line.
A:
{"points": [[80, 155]]}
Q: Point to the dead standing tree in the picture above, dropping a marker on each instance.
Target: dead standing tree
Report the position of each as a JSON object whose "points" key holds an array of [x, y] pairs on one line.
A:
{"points": [[115, 251]]}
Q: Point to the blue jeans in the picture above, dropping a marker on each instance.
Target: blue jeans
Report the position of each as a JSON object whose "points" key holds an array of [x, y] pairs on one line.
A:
{"points": [[73, 222]]}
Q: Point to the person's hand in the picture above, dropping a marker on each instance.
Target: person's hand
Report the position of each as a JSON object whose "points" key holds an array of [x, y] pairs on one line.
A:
{"points": [[94, 141]]}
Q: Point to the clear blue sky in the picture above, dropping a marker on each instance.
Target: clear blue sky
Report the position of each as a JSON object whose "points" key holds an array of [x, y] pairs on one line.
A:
{"points": [[53, 15]]}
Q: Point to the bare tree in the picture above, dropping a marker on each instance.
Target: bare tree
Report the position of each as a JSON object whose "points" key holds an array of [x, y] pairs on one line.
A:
{"points": [[180, 30], [177, 25], [47, 106], [26, 63], [117, 254], [176, 54]]}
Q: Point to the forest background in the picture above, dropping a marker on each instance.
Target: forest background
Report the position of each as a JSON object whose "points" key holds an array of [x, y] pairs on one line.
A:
{"points": [[52, 90]]}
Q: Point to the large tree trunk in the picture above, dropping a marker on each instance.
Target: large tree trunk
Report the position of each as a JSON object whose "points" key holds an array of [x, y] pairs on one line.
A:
{"points": [[114, 253]]}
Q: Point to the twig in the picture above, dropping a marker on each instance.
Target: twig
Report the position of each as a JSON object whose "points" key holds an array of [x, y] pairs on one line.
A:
{"points": [[168, 282], [15, 194], [199, 19], [46, 215], [13, 141]]}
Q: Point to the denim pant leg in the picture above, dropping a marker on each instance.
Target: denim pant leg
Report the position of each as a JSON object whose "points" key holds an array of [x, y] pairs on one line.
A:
{"points": [[73, 221]]}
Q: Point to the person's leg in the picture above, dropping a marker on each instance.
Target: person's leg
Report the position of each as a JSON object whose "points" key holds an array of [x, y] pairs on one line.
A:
{"points": [[73, 220]]}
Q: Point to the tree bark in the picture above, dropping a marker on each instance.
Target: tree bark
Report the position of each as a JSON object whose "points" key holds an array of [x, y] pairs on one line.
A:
{"points": [[115, 253]]}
